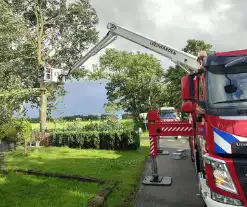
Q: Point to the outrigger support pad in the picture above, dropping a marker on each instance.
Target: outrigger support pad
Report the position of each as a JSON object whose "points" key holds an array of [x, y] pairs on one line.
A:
{"points": [[163, 152], [159, 180], [155, 179]]}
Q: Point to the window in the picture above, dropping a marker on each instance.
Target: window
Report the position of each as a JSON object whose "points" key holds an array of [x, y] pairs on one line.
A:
{"points": [[218, 96], [168, 114]]}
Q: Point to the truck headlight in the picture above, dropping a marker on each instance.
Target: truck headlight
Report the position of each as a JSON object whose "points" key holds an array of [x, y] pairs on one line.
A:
{"points": [[221, 175], [225, 199]]}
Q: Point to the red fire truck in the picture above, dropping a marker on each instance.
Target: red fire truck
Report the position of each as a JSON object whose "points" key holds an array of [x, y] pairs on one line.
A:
{"points": [[215, 95]]}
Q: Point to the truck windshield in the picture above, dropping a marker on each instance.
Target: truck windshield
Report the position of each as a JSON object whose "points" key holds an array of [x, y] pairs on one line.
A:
{"points": [[216, 82], [167, 114]]}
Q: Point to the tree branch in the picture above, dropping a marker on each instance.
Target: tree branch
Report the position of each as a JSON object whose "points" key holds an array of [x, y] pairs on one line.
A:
{"points": [[49, 21]]}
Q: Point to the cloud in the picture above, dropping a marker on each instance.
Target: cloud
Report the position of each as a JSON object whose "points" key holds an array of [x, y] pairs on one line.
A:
{"points": [[220, 23]]}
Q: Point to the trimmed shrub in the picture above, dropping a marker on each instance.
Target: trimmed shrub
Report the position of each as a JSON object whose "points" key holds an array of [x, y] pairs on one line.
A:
{"points": [[108, 125], [9, 132], [96, 139]]}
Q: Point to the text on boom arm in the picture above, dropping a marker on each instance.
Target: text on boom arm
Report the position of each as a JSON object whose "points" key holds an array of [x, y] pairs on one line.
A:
{"points": [[155, 44]]}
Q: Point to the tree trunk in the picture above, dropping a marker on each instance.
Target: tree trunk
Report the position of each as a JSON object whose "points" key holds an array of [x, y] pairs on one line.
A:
{"points": [[2, 160], [25, 147]]}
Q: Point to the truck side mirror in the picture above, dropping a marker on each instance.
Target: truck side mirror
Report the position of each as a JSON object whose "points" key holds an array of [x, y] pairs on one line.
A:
{"points": [[187, 107], [187, 86]]}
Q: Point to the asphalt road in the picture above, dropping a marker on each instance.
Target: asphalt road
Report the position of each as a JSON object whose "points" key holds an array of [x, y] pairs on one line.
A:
{"points": [[182, 192]]}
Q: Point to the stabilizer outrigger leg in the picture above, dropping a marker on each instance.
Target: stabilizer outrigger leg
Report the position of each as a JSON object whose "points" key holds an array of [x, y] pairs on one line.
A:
{"points": [[161, 151], [155, 178]]}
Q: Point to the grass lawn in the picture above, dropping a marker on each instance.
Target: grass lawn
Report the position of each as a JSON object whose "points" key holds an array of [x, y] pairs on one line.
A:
{"points": [[122, 166], [144, 135], [29, 191]]}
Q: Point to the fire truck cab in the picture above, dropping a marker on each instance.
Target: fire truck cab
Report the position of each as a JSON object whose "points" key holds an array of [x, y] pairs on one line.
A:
{"points": [[216, 97]]}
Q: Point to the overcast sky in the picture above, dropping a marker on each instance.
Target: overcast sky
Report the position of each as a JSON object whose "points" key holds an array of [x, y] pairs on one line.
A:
{"points": [[221, 23]]}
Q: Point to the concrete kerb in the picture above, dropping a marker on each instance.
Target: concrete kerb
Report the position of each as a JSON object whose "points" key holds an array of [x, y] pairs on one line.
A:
{"points": [[99, 199], [59, 175]]}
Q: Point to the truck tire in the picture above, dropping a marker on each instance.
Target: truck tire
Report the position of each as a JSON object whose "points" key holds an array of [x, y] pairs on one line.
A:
{"points": [[199, 158], [191, 152]]}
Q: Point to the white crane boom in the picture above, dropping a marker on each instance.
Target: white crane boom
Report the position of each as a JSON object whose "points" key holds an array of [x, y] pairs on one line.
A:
{"points": [[179, 57], [185, 60], [108, 39]]}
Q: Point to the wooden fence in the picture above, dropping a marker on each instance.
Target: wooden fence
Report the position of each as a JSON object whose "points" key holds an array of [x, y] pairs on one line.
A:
{"points": [[43, 137]]}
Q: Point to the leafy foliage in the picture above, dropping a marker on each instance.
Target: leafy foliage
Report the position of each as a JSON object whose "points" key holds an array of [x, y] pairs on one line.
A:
{"points": [[173, 85], [135, 81], [174, 74], [16, 131], [96, 140], [16, 85], [195, 46], [108, 125], [110, 134], [58, 32], [111, 108]]}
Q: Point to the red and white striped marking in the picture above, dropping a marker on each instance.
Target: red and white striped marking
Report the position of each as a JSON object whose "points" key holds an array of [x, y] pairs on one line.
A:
{"points": [[176, 129], [152, 145]]}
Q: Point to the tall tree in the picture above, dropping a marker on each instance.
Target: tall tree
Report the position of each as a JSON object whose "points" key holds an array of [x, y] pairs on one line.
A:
{"points": [[194, 46], [173, 86], [15, 85], [135, 81], [59, 32]]}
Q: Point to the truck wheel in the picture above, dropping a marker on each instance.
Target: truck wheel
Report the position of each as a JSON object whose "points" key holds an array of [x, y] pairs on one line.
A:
{"points": [[192, 157], [200, 162]]}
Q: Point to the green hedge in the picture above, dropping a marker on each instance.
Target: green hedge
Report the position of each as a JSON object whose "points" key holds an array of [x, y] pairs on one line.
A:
{"points": [[96, 139], [15, 131], [108, 125]]}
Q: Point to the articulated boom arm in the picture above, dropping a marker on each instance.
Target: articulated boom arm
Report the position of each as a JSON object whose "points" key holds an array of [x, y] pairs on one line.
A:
{"points": [[185, 60], [179, 57]]}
